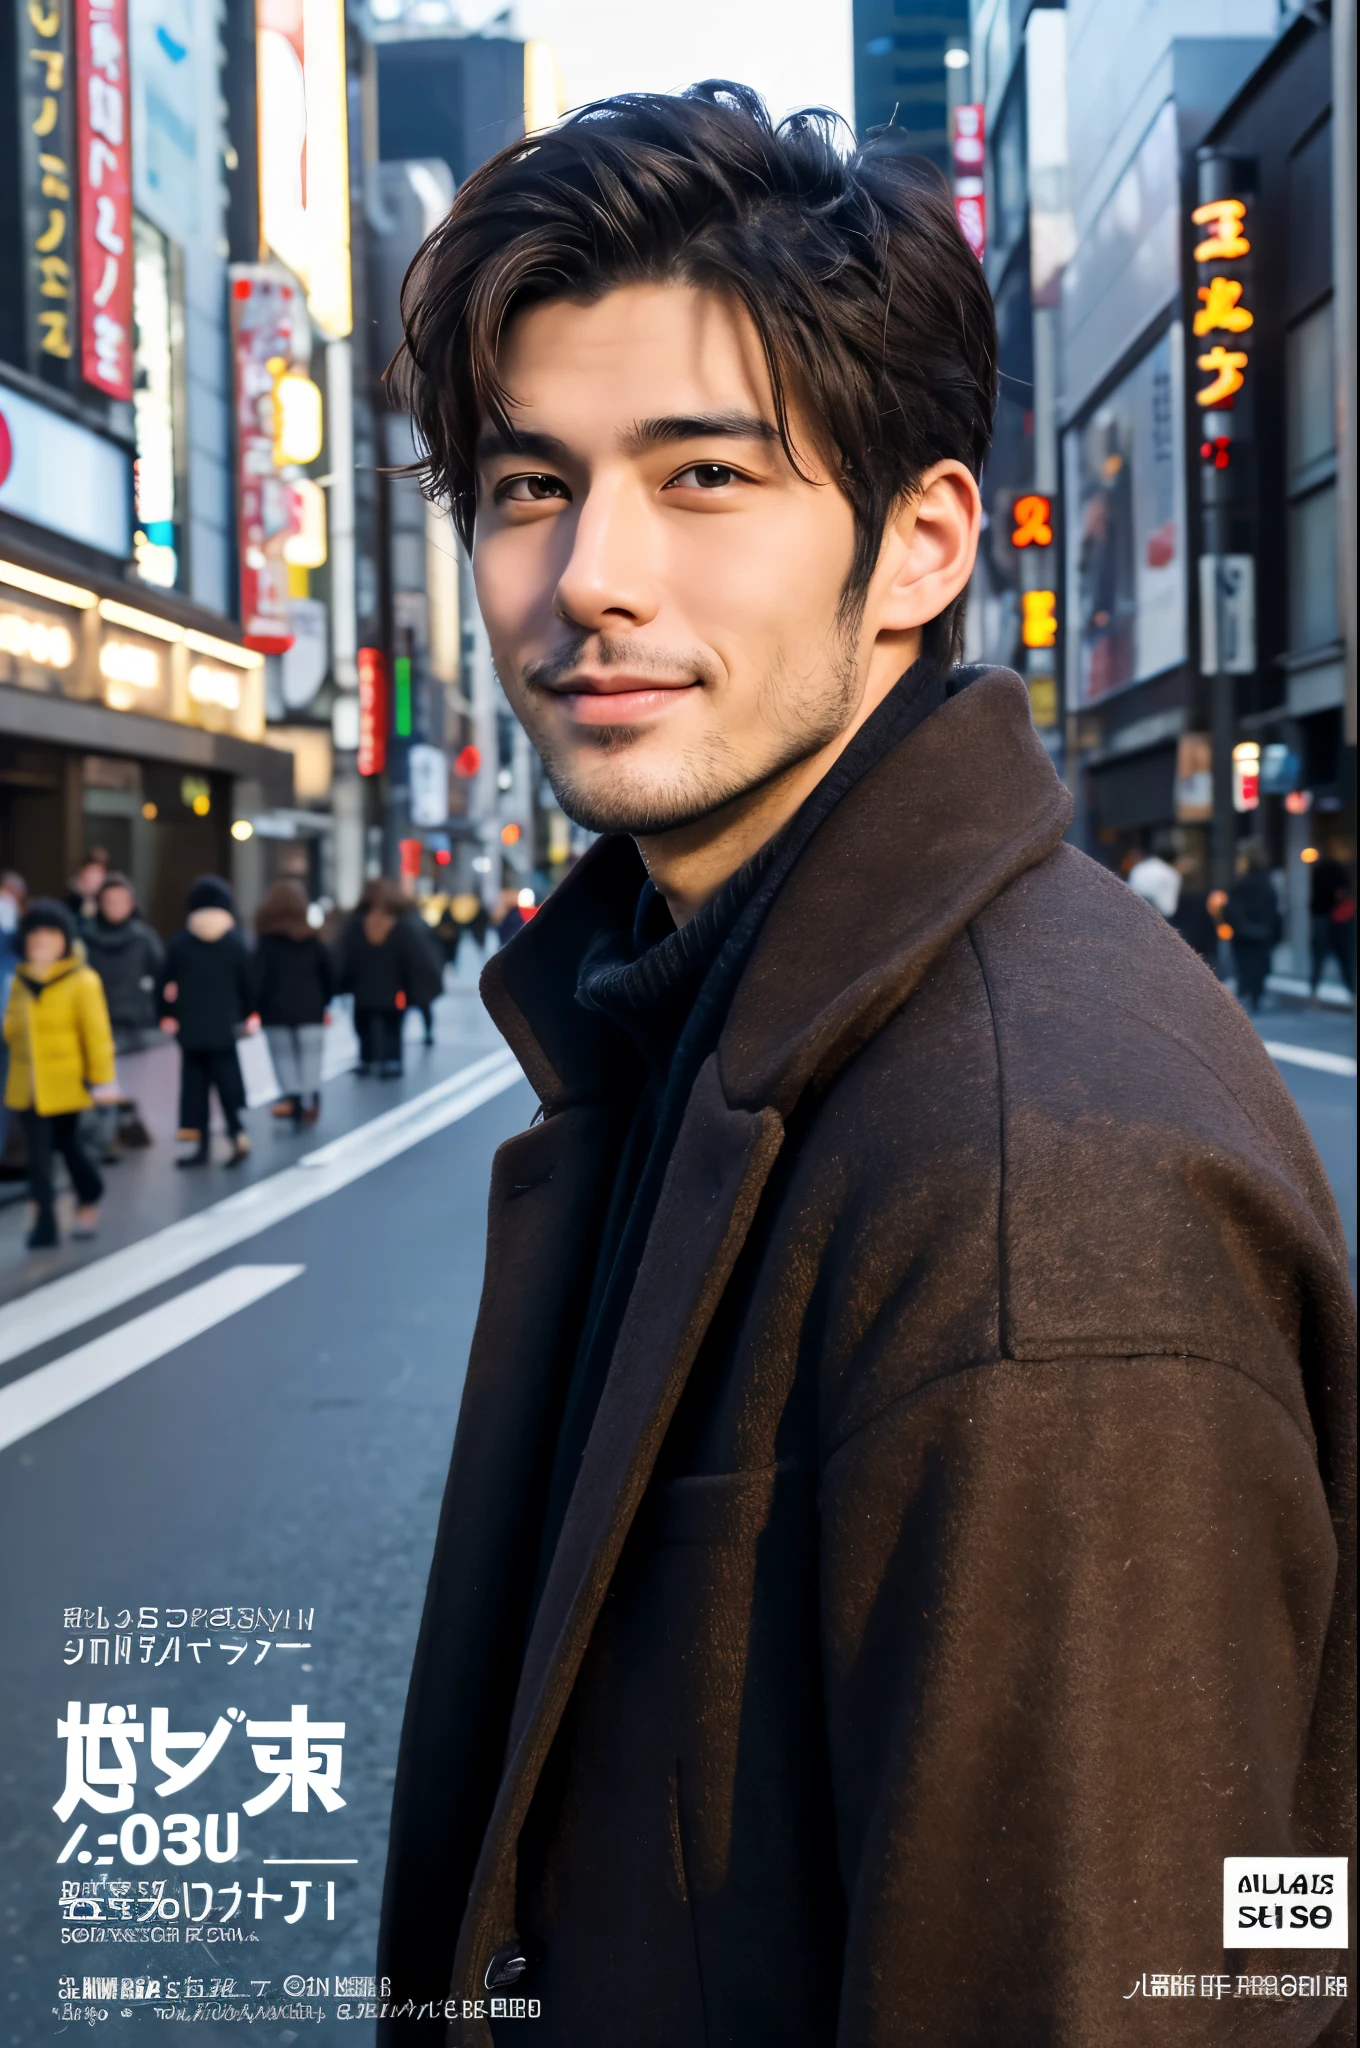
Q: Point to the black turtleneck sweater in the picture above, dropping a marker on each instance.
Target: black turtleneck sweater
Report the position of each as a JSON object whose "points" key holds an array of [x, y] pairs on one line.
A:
{"points": [[670, 990]]}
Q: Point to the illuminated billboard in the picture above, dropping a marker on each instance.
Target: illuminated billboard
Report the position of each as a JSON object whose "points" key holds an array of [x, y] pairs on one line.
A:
{"points": [[304, 150]]}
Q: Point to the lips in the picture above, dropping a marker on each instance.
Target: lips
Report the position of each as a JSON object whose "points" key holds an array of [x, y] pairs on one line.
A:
{"points": [[618, 698]]}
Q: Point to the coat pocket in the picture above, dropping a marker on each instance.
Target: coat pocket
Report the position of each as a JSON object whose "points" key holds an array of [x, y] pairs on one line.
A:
{"points": [[727, 1509]]}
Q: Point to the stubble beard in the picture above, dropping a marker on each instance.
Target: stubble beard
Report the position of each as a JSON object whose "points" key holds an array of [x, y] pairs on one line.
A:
{"points": [[800, 719]]}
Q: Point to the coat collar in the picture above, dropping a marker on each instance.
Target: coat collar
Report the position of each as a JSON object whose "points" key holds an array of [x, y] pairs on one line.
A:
{"points": [[936, 828], [39, 978]]}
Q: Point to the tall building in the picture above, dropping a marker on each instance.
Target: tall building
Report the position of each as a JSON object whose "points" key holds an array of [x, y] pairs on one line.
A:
{"points": [[907, 57], [1163, 254], [132, 714]]}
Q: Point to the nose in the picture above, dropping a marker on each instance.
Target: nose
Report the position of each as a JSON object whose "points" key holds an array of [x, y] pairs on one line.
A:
{"points": [[608, 582]]}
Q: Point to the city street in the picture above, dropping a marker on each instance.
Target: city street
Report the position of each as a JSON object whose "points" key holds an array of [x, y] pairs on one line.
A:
{"points": [[287, 1456], [243, 1517]]}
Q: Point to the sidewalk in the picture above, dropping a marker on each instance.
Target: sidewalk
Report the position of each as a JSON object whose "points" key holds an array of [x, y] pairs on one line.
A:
{"points": [[145, 1191]]}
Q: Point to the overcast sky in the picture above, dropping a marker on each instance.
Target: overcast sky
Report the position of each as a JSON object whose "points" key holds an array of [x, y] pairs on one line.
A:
{"points": [[796, 52]]}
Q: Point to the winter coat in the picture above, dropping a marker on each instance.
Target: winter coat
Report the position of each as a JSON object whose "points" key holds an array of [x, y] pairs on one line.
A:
{"points": [[951, 1579], [294, 979], [57, 1029], [214, 980], [378, 977], [1330, 890], [1254, 911], [127, 958]]}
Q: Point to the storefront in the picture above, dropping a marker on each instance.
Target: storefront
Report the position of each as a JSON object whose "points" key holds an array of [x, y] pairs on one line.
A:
{"points": [[126, 727]]}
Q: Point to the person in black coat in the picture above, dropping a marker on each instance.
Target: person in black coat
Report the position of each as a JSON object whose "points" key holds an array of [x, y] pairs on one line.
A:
{"points": [[1254, 914], [206, 998], [386, 965], [294, 982], [126, 955]]}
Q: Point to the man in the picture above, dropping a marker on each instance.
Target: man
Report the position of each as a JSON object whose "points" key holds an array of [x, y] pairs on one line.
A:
{"points": [[1331, 913], [1154, 878], [887, 1562], [82, 896], [126, 954]]}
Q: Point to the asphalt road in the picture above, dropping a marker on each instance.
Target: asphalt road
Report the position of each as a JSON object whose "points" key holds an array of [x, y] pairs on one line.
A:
{"points": [[282, 1452]]}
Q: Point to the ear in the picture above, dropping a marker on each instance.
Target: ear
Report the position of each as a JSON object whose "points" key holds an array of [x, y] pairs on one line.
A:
{"points": [[929, 548]]}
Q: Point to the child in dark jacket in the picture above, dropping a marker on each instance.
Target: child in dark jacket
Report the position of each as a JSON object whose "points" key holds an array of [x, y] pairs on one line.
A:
{"points": [[205, 999], [294, 983]]}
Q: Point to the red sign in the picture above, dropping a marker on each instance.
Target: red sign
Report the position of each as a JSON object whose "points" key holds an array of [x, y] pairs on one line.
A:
{"points": [[967, 140], [104, 151], [268, 326], [372, 711]]}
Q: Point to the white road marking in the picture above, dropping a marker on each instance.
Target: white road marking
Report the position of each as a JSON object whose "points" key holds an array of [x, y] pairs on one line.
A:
{"points": [[1304, 1056], [77, 1298], [53, 1390]]}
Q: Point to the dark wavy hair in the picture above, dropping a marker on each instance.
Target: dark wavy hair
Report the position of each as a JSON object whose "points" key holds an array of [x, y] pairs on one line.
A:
{"points": [[871, 309]]}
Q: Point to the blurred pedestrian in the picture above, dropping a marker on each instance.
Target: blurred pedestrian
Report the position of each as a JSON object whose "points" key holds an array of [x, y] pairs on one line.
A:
{"points": [[1159, 883], [1192, 917], [471, 916], [431, 982], [86, 882], [13, 896], [384, 964], [509, 917], [1253, 911], [294, 982], [127, 955], [205, 1001], [61, 1060], [1331, 914]]}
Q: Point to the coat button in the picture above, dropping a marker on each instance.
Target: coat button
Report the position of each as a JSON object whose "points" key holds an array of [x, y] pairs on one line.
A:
{"points": [[506, 1967]]}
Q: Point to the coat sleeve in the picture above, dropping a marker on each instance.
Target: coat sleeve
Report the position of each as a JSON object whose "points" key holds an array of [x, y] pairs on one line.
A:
{"points": [[96, 1037], [166, 973], [13, 1021], [342, 959], [1073, 1620], [325, 972]]}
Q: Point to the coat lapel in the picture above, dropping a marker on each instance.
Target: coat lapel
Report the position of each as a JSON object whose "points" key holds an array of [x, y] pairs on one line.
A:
{"points": [[719, 1166]]}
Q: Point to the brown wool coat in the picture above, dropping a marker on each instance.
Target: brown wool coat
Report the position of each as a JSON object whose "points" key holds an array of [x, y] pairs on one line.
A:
{"points": [[952, 1578]]}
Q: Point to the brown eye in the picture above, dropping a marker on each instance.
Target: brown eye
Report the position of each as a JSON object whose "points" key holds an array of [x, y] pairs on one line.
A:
{"points": [[705, 476], [530, 490]]}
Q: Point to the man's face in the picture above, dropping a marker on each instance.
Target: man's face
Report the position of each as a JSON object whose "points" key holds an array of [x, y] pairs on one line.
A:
{"points": [[661, 588], [115, 904]]}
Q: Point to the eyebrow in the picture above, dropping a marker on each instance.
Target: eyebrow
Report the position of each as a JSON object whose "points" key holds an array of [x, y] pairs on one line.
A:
{"points": [[637, 439], [703, 426], [492, 441]]}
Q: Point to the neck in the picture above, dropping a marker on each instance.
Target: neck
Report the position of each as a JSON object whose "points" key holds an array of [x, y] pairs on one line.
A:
{"points": [[690, 863]]}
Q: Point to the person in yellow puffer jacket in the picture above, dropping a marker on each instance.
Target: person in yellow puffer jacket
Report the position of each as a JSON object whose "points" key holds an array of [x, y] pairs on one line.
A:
{"points": [[60, 1060]]}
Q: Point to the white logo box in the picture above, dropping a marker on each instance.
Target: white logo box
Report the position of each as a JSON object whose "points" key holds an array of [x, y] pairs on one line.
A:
{"points": [[1284, 1902]]}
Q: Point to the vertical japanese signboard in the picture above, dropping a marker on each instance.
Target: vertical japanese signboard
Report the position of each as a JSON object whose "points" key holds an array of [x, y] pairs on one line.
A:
{"points": [[372, 711], [967, 143], [270, 335], [104, 158], [42, 56], [1221, 330]]}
